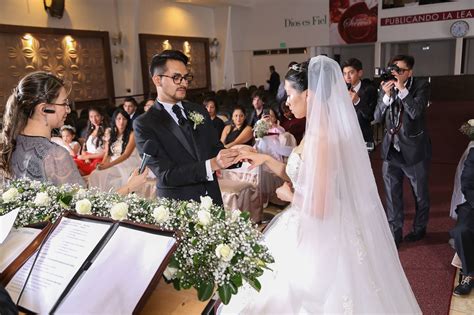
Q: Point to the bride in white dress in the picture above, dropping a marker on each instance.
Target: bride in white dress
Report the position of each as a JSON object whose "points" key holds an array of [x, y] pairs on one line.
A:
{"points": [[333, 250]]}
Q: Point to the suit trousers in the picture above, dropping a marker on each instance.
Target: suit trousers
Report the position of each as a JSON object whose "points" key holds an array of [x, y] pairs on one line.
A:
{"points": [[394, 170], [463, 235]]}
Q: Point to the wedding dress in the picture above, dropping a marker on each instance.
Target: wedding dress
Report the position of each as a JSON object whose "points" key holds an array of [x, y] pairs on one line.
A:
{"points": [[333, 250]]}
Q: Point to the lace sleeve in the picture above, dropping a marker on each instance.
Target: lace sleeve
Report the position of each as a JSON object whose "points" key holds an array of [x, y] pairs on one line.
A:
{"points": [[60, 168]]}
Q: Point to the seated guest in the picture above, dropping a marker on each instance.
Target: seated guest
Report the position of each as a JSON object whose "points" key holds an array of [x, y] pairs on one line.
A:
{"points": [[94, 149], [291, 124], [38, 105], [130, 105], [258, 105], [148, 103], [463, 232], [270, 116], [238, 132], [211, 106], [68, 133], [120, 157]]}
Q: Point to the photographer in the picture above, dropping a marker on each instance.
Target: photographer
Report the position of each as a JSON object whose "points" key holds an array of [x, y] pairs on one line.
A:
{"points": [[406, 146], [363, 95]]}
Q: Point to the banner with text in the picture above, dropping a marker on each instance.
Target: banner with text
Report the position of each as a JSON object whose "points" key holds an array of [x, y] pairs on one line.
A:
{"points": [[427, 17], [352, 21]]}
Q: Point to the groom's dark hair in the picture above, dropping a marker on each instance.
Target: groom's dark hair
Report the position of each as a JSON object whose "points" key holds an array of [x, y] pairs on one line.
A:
{"points": [[158, 61]]}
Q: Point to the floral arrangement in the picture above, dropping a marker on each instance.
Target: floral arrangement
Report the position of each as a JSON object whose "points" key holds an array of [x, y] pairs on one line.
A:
{"points": [[196, 118], [468, 129], [217, 249], [261, 128]]}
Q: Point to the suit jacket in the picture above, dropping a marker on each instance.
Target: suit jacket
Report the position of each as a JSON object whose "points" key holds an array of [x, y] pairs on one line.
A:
{"points": [[467, 179], [179, 164], [414, 141], [274, 82], [366, 106]]}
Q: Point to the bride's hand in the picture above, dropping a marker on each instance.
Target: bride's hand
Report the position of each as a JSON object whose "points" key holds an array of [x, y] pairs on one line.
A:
{"points": [[255, 159], [285, 192], [244, 148]]}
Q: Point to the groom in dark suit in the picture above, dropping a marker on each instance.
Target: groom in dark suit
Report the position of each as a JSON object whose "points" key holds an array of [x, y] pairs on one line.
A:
{"points": [[406, 146], [187, 150]]}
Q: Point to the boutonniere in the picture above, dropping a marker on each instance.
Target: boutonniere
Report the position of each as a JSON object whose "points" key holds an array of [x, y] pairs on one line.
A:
{"points": [[196, 118]]}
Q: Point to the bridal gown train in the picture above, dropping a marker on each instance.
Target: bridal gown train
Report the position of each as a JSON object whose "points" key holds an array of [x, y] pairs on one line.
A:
{"points": [[366, 277]]}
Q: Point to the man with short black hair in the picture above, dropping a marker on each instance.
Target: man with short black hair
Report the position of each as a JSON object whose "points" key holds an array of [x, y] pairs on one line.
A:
{"points": [[258, 105], [406, 146], [187, 150], [130, 105], [363, 95]]}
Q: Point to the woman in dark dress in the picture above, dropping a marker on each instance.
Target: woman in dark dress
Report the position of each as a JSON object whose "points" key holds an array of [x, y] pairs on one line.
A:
{"points": [[238, 132], [217, 123]]}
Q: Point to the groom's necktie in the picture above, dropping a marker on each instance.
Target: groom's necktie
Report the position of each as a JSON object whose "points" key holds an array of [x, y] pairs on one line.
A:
{"points": [[179, 113]]}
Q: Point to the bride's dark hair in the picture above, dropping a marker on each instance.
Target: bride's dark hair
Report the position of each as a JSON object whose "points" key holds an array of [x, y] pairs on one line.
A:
{"points": [[298, 76]]}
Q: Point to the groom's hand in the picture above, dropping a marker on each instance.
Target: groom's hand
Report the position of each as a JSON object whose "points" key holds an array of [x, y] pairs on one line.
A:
{"points": [[224, 159]]}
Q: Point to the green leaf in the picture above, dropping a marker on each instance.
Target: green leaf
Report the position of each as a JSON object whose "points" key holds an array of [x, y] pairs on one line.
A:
{"points": [[185, 284], [66, 199], [225, 292], [257, 248], [258, 272], [196, 260], [233, 288], [245, 215], [192, 227], [177, 284], [173, 262], [254, 283], [205, 290], [236, 280], [221, 214], [236, 258]]}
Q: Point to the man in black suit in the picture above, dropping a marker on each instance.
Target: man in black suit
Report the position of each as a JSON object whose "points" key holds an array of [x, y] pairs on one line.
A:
{"points": [[258, 105], [406, 146], [463, 233], [363, 95], [130, 105], [274, 81], [188, 151]]}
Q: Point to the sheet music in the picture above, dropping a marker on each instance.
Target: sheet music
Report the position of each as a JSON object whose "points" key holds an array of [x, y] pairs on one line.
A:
{"points": [[6, 223], [15, 244], [59, 260], [120, 275]]}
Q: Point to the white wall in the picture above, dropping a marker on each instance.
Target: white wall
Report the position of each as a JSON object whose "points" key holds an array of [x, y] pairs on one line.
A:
{"points": [[133, 17]]}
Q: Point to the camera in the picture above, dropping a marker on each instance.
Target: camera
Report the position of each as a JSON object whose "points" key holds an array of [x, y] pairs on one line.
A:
{"points": [[386, 73], [266, 112]]}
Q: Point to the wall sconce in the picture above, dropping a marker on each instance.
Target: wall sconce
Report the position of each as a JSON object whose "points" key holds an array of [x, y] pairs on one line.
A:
{"points": [[69, 42], [118, 57], [116, 39], [166, 45], [213, 49], [28, 38]]}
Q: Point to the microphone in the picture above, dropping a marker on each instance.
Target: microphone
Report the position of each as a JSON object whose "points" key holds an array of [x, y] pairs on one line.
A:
{"points": [[149, 150]]}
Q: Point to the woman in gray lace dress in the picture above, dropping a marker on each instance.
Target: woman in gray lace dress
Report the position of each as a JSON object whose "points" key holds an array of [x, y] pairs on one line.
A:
{"points": [[38, 105]]}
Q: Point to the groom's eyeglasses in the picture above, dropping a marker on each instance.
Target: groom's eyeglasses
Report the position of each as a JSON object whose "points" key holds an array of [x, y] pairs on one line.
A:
{"points": [[178, 78]]}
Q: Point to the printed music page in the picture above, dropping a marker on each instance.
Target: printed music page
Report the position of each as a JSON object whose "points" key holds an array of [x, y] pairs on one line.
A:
{"points": [[62, 255], [15, 244], [119, 276]]}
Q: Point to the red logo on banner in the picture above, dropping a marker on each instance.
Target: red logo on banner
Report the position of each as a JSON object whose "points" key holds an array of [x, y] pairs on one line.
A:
{"points": [[358, 24]]}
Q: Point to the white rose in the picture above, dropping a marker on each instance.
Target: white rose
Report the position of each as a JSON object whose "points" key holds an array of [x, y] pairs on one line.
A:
{"points": [[81, 193], [42, 199], [471, 122], [204, 217], [161, 214], [84, 206], [224, 252], [170, 272], [206, 202], [234, 216], [119, 211], [10, 194]]}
